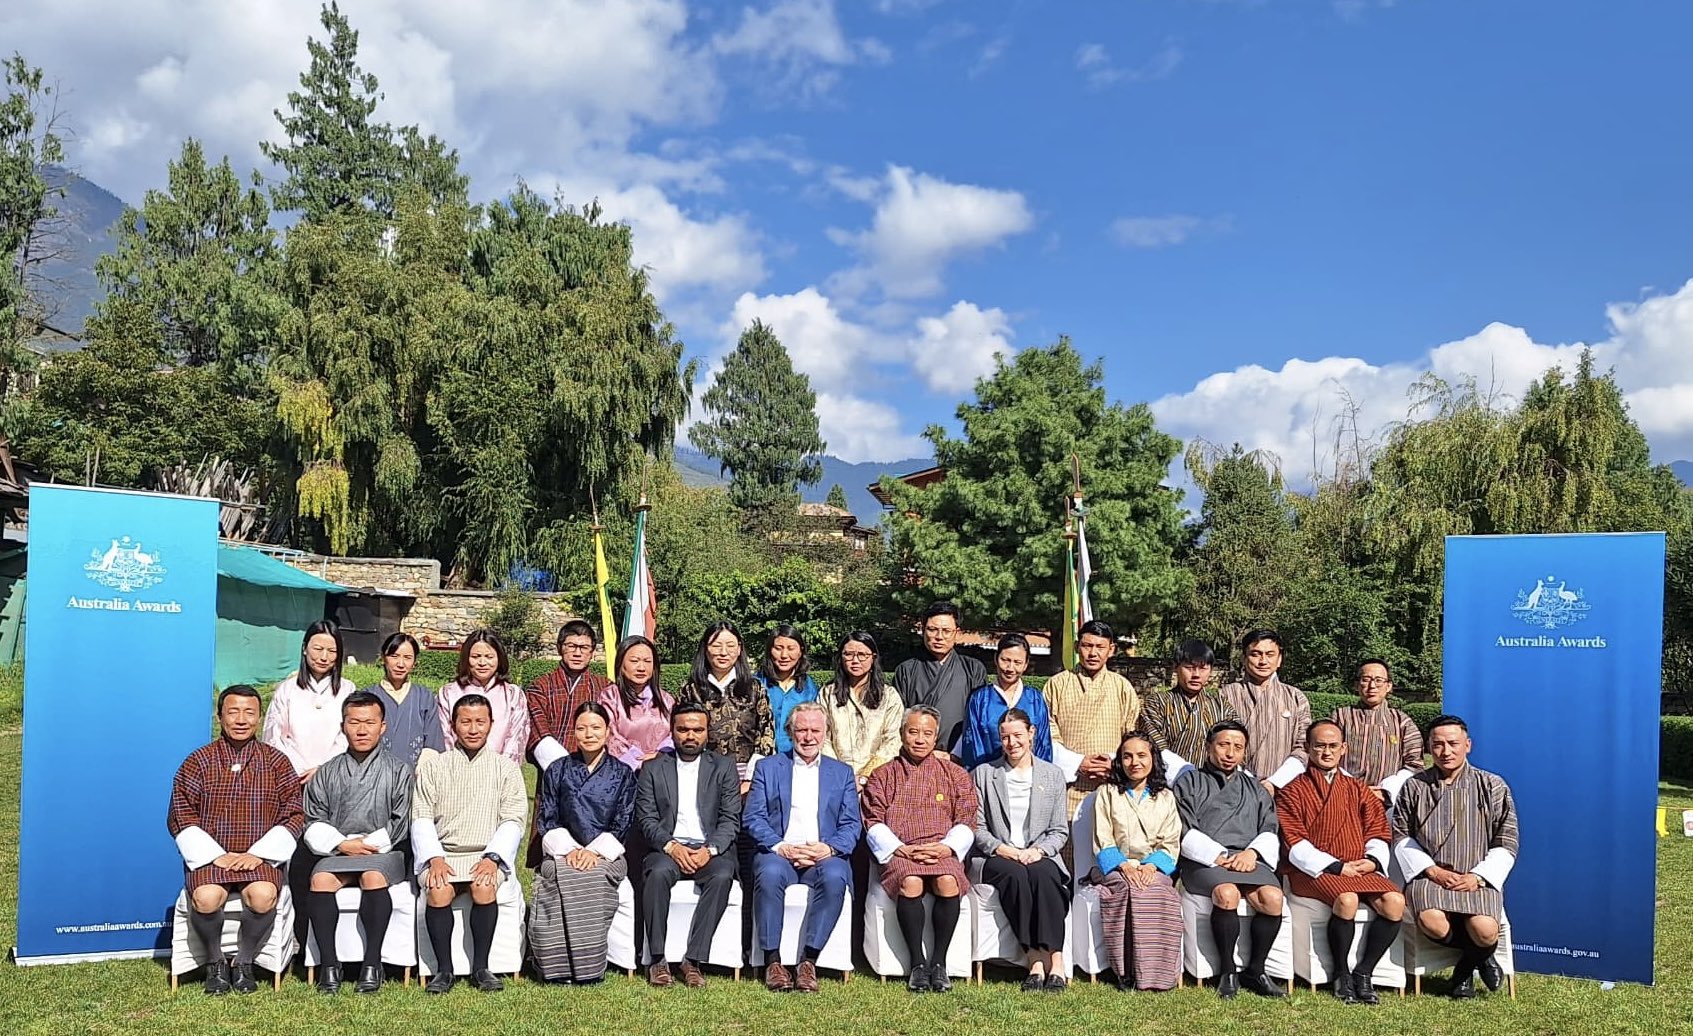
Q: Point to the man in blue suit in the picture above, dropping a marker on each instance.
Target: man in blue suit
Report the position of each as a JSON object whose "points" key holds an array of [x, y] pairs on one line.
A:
{"points": [[802, 814]]}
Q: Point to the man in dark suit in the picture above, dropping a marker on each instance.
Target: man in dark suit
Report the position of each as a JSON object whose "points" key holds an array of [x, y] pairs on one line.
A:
{"points": [[688, 805], [802, 815]]}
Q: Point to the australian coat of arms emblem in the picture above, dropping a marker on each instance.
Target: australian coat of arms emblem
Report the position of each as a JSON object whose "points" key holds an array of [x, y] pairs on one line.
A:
{"points": [[124, 566], [1550, 605]]}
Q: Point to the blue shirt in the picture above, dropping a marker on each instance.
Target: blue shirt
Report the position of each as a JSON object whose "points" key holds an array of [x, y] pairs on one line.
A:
{"points": [[783, 702], [980, 741]]}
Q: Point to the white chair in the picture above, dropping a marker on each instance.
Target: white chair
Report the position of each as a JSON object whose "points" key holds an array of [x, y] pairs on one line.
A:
{"points": [[505, 957], [1199, 950], [837, 951], [1086, 951], [1311, 946], [1424, 956], [399, 943], [994, 941], [620, 938], [274, 956], [725, 942], [884, 946]]}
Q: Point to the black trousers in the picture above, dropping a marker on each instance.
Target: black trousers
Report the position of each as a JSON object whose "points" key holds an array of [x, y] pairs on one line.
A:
{"points": [[1035, 897], [659, 875]]}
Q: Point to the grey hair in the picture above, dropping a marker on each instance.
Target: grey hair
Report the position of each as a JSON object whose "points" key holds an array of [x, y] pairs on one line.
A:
{"points": [[808, 706], [921, 710]]}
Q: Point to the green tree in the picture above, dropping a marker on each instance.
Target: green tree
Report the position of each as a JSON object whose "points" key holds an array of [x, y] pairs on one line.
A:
{"points": [[991, 534], [29, 141], [837, 497], [761, 424]]}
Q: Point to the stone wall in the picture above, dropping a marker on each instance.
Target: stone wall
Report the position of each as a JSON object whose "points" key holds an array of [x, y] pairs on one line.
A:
{"points": [[407, 575]]}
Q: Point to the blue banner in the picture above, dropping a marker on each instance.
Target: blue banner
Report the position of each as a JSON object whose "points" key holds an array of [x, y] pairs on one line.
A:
{"points": [[1553, 647], [121, 613]]}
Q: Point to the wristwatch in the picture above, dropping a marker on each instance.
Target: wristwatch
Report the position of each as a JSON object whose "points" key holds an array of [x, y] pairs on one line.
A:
{"points": [[712, 849]]}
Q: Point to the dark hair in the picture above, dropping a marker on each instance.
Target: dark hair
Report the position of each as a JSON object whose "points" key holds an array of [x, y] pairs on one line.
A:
{"points": [[1018, 716], [301, 680], [942, 608], [1156, 781], [1324, 722], [1195, 652], [875, 683], [627, 691], [768, 670], [471, 701], [237, 690], [1359, 670], [1448, 720], [699, 686], [392, 643], [1254, 636], [593, 708], [577, 628], [363, 700], [691, 708], [502, 663], [1012, 640], [1097, 628], [1227, 725]]}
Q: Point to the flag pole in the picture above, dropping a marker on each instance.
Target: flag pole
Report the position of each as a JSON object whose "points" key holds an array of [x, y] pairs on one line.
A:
{"points": [[602, 579]]}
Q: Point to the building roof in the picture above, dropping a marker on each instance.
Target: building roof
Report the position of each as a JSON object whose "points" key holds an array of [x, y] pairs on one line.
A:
{"points": [[247, 565], [924, 477]]}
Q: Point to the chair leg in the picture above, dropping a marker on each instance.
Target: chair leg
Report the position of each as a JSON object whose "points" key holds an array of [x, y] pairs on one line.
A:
{"points": [[1511, 981], [405, 977], [1417, 990], [311, 974], [978, 973], [276, 981], [173, 982], [737, 974]]}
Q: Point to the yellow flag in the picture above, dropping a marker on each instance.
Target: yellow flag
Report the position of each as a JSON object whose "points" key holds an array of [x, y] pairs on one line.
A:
{"points": [[602, 577]]}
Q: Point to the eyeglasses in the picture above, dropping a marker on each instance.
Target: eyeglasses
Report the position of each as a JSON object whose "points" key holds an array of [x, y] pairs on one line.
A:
{"points": [[941, 631], [1373, 681], [570, 645], [856, 656]]}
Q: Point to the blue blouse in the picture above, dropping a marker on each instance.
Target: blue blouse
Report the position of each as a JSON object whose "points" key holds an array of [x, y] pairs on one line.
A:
{"points": [[783, 702], [588, 803], [986, 707], [413, 724]]}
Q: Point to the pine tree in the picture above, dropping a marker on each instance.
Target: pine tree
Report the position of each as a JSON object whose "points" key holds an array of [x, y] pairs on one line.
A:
{"points": [[761, 424], [837, 497]]}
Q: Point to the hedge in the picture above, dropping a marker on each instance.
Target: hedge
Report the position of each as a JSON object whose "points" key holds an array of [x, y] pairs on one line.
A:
{"points": [[1675, 747]]}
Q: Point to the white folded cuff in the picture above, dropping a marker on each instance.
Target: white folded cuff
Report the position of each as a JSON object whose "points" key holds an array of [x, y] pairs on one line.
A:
{"points": [[882, 841], [1174, 765], [547, 752], [1391, 784], [752, 763], [1067, 761], [559, 842], [378, 840], [1495, 867], [197, 847], [425, 843], [959, 840], [1412, 859], [1201, 848], [277, 846], [1308, 858], [1376, 849], [1268, 848], [606, 845], [1290, 768], [322, 839], [505, 841]]}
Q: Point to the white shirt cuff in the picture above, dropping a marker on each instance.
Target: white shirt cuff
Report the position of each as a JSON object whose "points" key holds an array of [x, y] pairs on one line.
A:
{"points": [[1287, 771], [1308, 858], [548, 751], [1067, 761], [1391, 784], [277, 846], [1173, 765], [1201, 848], [322, 839], [1376, 849], [1412, 859], [882, 842], [607, 846], [425, 843], [197, 847], [504, 843], [559, 842], [1495, 867], [378, 840], [1268, 848], [960, 840]]}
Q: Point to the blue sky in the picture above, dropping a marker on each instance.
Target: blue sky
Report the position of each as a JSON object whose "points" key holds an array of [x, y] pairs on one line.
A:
{"points": [[1251, 209]]}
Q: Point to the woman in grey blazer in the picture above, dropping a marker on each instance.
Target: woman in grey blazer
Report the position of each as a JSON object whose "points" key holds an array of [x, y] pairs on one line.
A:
{"points": [[1021, 827]]}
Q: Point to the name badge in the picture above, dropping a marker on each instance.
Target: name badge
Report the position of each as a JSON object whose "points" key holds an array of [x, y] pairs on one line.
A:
{"points": [[939, 797]]}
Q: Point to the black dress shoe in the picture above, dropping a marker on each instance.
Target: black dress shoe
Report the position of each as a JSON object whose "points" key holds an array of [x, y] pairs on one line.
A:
{"points": [[1057, 983], [1034, 983], [329, 978], [370, 979], [486, 981], [217, 978], [939, 980], [1262, 984], [1343, 989], [440, 982], [1228, 985], [918, 980], [1492, 975], [1364, 989], [243, 980], [1463, 989]]}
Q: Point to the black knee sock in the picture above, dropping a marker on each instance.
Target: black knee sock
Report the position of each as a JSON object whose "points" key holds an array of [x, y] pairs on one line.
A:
{"points": [[945, 916], [1341, 931], [1225, 931], [439, 922], [255, 932], [908, 911], [376, 907], [1378, 939], [1469, 954], [323, 915], [1264, 928], [208, 929], [482, 918]]}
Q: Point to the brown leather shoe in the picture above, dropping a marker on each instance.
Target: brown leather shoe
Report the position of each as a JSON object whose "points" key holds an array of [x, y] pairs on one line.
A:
{"points": [[692, 976], [806, 979], [776, 977], [658, 974]]}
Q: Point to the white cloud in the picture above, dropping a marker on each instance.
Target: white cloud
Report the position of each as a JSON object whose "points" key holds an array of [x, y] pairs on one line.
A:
{"points": [[860, 430], [1296, 411], [921, 224], [802, 38], [1101, 71], [953, 350], [825, 345], [682, 252], [1163, 231]]}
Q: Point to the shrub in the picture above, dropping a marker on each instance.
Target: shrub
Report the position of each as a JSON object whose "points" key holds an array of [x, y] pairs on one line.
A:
{"points": [[1675, 747], [516, 619]]}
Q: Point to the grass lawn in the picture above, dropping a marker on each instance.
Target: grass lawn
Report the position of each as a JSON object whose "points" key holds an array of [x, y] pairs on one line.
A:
{"points": [[134, 996]]}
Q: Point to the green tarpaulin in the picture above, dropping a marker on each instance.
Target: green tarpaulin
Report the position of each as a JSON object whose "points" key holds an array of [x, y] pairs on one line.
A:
{"points": [[264, 605]]}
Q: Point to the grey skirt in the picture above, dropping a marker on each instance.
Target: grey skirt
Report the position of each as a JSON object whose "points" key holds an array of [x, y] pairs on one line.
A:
{"points": [[1202, 881], [391, 865]]}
